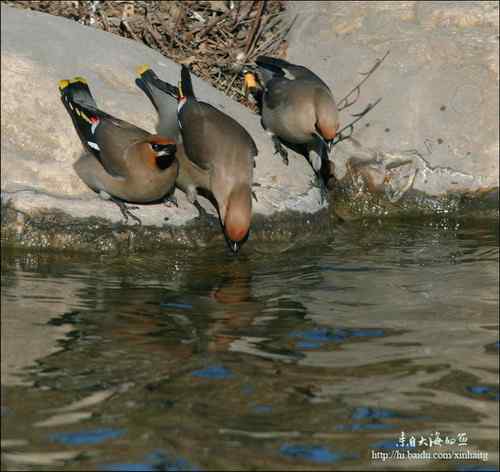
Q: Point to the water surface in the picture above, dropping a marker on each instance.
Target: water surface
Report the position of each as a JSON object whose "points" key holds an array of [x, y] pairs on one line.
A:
{"points": [[316, 355]]}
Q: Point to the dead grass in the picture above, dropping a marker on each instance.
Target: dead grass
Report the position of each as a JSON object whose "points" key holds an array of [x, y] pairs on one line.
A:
{"points": [[215, 38]]}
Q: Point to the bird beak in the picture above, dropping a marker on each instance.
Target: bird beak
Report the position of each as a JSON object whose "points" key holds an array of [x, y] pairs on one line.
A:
{"points": [[249, 85], [325, 143], [234, 246]]}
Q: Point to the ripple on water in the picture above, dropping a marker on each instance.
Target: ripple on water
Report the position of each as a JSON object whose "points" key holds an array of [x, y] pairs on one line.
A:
{"points": [[306, 358]]}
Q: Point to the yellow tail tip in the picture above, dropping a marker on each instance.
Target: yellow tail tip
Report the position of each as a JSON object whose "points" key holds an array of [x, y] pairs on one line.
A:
{"points": [[250, 82], [78, 79], [141, 69], [63, 84]]}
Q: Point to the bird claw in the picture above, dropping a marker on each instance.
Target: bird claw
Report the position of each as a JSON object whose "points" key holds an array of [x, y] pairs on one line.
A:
{"points": [[171, 201], [280, 149], [192, 194], [204, 215], [126, 211]]}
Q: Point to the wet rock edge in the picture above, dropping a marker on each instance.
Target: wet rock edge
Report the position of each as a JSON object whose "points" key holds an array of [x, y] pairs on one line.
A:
{"points": [[56, 230]]}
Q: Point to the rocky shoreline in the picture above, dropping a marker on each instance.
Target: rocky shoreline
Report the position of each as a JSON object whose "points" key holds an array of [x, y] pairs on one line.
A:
{"points": [[400, 163]]}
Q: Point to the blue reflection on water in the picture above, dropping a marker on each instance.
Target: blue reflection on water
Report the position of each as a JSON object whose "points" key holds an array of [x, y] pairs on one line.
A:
{"points": [[155, 461], [182, 306], [95, 436], [308, 345], [365, 427], [248, 389], [366, 412], [491, 393], [314, 338], [216, 372], [262, 409], [476, 468], [312, 453], [390, 444], [130, 467]]}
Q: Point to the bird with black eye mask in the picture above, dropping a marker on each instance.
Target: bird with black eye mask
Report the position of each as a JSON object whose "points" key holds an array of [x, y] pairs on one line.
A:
{"points": [[297, 107], [124, 162], [217, 153]]}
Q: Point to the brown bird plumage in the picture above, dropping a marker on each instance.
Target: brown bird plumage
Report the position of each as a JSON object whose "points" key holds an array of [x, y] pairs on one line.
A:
{"points": [[297, 107], [124, 162], [217, 154]]}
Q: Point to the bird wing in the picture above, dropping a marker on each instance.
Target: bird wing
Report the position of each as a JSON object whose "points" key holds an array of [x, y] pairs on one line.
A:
{"points": [[207, 132], [105, 136], [279, 67], [192, 120], [113, 137], [164, 98], [276, 93]]}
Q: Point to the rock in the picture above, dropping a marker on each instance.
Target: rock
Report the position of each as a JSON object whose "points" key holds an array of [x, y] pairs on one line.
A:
{"points": [[435, 134], [39, 143]]}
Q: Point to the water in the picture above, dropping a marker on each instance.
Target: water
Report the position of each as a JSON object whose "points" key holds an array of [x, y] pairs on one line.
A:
{"points": [[313, 356]]}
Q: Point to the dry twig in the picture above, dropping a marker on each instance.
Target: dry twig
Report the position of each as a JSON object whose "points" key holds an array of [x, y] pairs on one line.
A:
{"points": [[215, 37]]}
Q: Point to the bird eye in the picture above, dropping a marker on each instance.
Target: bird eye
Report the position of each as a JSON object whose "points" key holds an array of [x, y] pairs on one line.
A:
{"points": [[163, 149]]}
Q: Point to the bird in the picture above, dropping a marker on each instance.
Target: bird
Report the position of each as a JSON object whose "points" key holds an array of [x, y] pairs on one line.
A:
{"points": [[297, 107], [124, 163], [217, 154]]}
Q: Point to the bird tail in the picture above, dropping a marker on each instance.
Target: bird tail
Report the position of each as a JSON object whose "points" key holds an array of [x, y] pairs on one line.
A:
{"points": [[164, 98], [81, 106], [154, 87], [273, 64], [271, 67], [185, 85]]}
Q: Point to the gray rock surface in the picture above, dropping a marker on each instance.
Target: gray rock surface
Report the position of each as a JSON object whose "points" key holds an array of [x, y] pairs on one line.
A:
{"points": [[39, 143], [431, 144], [436, 130]]}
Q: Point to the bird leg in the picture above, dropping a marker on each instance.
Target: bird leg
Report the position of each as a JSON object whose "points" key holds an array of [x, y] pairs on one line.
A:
{"points": [[280, 149], [192, 194], [203, 214], [318, 157], [201, 210], [346, 131], [254, 195], [317, 152], [170, 201], [315, 160], [320, 184], [126, 210], [349, 99]]}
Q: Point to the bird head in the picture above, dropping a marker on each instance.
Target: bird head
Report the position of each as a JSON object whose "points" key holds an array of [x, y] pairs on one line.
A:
{"points": [[161, 151], [236, 215], [327, 117]]}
